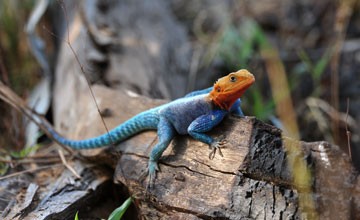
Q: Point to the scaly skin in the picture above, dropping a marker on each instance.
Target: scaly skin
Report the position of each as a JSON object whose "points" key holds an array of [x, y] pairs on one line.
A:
{"points": [[194, 114]]}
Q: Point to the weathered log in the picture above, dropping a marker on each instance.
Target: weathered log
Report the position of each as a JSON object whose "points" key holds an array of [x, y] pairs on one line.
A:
{"points": [[253, 179], [53, 193]]}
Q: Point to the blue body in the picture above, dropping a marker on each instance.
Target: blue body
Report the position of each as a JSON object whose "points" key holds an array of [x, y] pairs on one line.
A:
{"points": [[192, 115]]}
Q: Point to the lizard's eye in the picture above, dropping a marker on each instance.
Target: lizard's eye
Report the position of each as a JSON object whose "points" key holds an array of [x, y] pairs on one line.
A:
{"points": [[233, 79], [218, 89]]}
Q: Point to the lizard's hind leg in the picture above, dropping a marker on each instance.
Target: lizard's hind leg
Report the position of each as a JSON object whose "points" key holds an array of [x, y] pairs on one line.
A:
{"points": [[166, 133]]}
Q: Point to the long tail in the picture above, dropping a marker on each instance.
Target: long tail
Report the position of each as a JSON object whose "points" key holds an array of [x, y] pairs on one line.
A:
{"points": [[144, 121]]}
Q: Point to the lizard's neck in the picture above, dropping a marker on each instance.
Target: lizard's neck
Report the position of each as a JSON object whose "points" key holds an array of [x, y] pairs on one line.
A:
{"points": [[223, 104], [226, 99], [218, 102]]}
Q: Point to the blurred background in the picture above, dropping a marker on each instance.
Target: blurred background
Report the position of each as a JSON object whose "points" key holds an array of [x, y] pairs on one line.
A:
{"points": [[305, 56]]}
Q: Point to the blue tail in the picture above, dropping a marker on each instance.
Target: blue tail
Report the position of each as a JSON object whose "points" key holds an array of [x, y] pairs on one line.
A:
{"points": [[144, 121]]}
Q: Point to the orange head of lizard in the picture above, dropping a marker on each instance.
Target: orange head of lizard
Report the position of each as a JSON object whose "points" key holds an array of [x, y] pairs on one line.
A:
{"points": [[231, 87]]}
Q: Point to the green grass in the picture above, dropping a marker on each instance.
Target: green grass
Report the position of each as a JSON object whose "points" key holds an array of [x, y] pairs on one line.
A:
{"points": [[118, 212], [317, 68], [11, 154]]}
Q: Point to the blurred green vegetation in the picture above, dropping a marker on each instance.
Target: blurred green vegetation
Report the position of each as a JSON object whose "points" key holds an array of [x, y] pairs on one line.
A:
{"points": [[23, 152], [237, 47], [21, 65], [315, 69], [8, 154]]}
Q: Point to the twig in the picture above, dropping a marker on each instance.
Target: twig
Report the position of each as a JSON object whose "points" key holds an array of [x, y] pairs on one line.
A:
{"points": [[332, 112], [67, 165], [8, 96], [29, 171], [29, 161], [68, 42], [343, 15], [83, 69], [348, 133], [88, 82], [37, 156]]}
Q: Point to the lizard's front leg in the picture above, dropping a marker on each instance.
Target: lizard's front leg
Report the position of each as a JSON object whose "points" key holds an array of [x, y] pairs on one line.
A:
{"points": [[235, 108], [205, 123], [166, 133]]}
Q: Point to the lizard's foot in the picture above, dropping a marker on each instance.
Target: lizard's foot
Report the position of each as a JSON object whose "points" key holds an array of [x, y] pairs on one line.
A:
{"points": [[153, 168], [216, 145]]}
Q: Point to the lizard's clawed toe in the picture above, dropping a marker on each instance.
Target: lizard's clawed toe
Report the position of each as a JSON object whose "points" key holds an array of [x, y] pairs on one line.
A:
{"points": [[217, 145], [212, 154], [153, 168]]}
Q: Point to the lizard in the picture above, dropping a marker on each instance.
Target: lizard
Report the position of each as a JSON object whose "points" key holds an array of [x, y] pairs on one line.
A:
{"points": [[193, 114]]}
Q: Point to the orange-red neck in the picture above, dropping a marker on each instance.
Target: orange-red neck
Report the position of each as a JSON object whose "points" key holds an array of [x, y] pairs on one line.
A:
{"points": [[226, 99]]}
